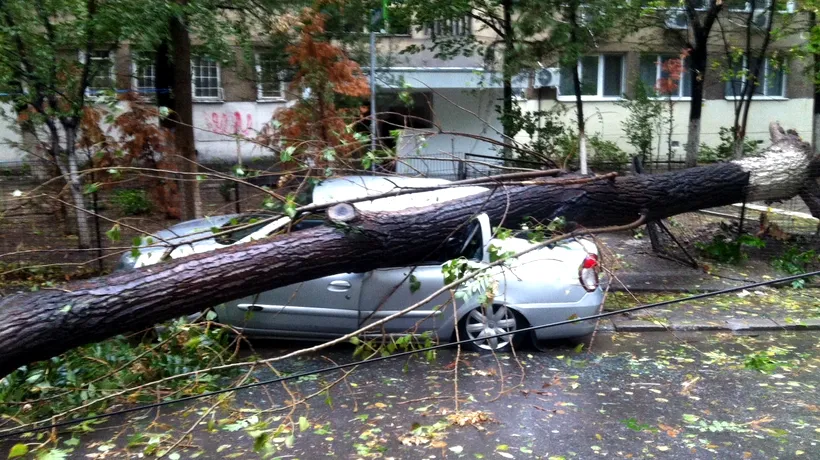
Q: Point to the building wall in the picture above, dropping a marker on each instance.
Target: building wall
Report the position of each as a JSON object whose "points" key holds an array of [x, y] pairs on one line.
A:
{"points": [[463, 111], [792, 113]]}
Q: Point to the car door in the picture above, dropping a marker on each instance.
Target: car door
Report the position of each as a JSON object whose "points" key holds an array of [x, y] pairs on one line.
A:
{"points": [[389, 290], [317, 308]]}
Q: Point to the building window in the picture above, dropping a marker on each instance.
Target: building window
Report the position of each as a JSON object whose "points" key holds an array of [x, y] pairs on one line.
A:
{"points": [[454, 27], [206, 79], [602, 76], [654, 70], [771, 82], [270, 84], [145, 76], [101, 70]]}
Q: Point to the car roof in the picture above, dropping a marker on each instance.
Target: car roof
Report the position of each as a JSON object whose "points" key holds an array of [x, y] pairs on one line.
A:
{"points": [[354, 187]]}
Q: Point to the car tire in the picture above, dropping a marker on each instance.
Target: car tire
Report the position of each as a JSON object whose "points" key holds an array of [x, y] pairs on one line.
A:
{"points": [[483, 321]]}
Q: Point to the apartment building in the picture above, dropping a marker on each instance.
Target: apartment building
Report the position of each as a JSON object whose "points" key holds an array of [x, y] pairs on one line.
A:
{"points": [[454, 114]]}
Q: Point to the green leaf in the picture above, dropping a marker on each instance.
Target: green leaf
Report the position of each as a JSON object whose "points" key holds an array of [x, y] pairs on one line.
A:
{"points": [[92, 188], [65, 309], [415, 284], [289, 441], [18, 450], [54, 454], [355, 340], [174, 456], [114, 233], [303, 424], [259, 442], [287, 154]]}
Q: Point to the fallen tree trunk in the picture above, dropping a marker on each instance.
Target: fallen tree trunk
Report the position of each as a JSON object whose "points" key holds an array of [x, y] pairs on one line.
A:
{"points": [[35, 326]]}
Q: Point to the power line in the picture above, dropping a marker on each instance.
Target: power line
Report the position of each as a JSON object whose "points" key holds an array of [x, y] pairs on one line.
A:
{"points": [[10, 433]]}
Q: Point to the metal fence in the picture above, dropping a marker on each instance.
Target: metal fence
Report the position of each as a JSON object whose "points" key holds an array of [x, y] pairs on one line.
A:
{"points": [[40, 231]]}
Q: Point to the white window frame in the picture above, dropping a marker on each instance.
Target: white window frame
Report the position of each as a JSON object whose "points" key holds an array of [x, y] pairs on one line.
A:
{"points": [[219, 92], [93, 90], [659, 74], [260, 97], [760, 97], [600, 83], [135, 78]]}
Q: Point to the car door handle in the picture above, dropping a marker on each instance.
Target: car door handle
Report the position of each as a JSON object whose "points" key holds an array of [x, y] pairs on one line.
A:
{"points": [[338, 286]]}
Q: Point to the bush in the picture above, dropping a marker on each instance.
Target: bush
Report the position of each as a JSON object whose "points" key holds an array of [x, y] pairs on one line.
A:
{"points": [[606, 154], [727, 250], [132, 202], [794, 261], [601, 154], [725, 150]]}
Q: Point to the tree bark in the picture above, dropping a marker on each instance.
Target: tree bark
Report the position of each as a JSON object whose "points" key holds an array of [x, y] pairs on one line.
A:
{"points": [[579, 103], [35, 326], [184, 130], [815, 135], [701, 26], [696, 72], [507, 89], [70, 170]]}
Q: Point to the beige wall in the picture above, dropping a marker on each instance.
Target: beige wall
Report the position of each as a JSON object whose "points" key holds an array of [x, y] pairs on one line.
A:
{"points": [[606, 119]]}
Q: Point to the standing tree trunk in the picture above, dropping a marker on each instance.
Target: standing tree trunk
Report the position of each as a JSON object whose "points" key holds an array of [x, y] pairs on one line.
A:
{"points": [[697, 71], [752, 78], [76, 187], [184, 130], [579, 103], [35, 326], [507, 91], [582, 135], [816, 74], [701, 26]]}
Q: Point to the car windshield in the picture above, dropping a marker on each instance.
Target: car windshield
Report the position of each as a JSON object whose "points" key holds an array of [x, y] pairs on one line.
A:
{"points": [[244, 225], [250, 223], [467, 242]]}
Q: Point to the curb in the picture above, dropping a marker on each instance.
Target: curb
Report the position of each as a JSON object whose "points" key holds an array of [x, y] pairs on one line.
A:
{"points": [[730, 325]]}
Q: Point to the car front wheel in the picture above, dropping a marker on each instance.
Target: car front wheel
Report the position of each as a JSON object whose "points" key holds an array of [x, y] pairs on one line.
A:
{"points": [[482, 324]]}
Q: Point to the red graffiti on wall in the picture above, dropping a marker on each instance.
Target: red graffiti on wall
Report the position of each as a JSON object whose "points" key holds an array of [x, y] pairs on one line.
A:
{"points": [[226, 123]]}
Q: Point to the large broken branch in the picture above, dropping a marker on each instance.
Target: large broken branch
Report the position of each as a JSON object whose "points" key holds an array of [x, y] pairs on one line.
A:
{"points": [[35, 326]]}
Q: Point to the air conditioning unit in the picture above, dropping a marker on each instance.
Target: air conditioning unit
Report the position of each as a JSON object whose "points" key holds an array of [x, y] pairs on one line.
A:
{"points": [[547, 78], [761, 19], [676, 20]]}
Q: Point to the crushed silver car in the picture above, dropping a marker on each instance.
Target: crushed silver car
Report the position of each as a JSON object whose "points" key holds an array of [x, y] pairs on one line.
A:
{"points": [[546, 285]]}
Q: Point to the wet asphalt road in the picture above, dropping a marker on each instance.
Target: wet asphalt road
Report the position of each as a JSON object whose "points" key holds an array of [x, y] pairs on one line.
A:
{"points": [[648, 395]]}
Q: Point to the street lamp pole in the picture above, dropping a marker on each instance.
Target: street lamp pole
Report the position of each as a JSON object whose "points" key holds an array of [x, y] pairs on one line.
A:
{"points": [[373, 122]]}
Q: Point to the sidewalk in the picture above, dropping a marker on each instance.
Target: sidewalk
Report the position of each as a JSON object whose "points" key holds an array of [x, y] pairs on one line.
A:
{"points": [[763, 309]]}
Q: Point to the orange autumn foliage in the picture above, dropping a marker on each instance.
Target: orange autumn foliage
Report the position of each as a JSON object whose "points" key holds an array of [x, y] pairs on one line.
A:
{"points": [[673, 70], [324, 73], [133, 138]]}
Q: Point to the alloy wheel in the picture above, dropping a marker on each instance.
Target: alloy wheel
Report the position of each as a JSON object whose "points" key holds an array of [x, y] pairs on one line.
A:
{"points": [[484, 323]]}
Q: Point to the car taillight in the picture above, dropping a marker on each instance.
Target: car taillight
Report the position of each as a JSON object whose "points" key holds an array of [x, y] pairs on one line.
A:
{"points": [[588, 272]]}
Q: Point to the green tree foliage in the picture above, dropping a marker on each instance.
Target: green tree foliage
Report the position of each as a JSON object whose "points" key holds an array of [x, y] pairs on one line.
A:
{"points": [[642, 120]]}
